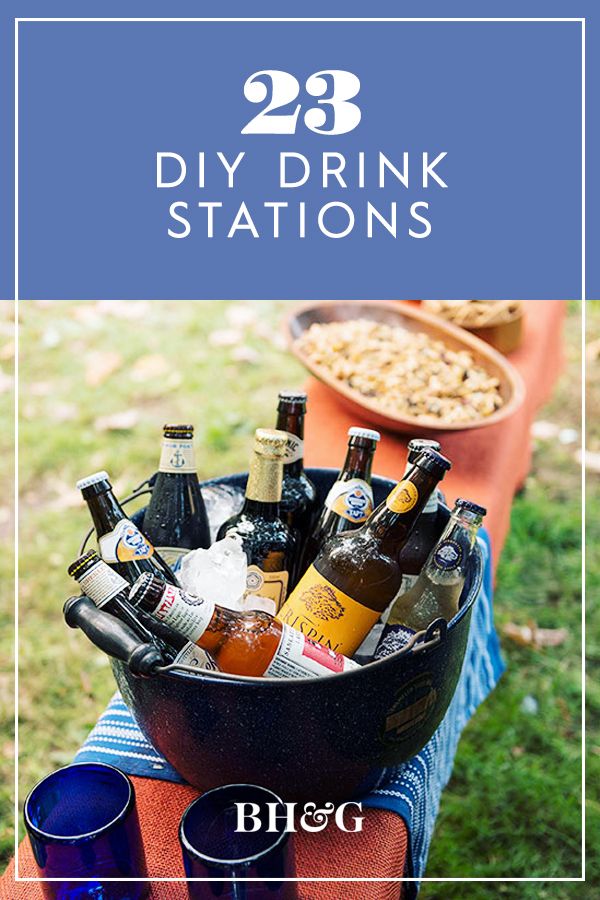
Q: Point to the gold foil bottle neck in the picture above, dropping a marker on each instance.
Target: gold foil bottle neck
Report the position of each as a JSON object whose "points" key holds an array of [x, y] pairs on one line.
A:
{"points": [[266, 466], [270, 442]]}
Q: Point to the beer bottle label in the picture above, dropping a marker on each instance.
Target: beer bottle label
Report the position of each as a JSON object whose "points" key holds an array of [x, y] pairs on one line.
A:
{"points": [[192, 655], [325, 614], [124, 543], [172, 556], [448, 555], [271, 585], [177, 456], [294, 449], [188, 615], [101, 583], [352, 500], [297, 657], [403, 497]]}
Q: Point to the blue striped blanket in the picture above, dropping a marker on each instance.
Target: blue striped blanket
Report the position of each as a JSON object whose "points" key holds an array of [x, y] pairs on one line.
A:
{"points": [[413, 789]]}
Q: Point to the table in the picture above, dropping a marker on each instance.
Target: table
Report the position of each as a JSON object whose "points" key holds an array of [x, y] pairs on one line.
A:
{"points": [[489, 466]]}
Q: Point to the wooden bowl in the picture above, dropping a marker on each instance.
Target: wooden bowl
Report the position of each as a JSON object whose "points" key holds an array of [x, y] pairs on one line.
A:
{"points": [[413, 319], [505, 336]]}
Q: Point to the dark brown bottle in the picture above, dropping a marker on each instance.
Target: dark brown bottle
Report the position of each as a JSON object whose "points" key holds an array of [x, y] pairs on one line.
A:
{"points": [[357, 574], [175, 520], [110, 592], [298, 504], [349, 503], [268, 542], [120, 543], [241, 643], [414, 553]]}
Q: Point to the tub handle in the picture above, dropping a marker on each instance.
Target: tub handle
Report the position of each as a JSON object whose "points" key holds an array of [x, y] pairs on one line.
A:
{"points": [[434, 634]]}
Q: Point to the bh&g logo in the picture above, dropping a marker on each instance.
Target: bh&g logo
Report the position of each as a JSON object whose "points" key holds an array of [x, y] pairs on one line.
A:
{"points": [[252, 817]]}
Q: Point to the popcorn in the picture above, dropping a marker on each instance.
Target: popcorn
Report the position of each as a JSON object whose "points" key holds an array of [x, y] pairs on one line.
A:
{"points": [[403, 372]]}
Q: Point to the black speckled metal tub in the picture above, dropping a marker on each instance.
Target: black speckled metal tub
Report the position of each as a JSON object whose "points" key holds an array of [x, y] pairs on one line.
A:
{"points": [[312, 739]]}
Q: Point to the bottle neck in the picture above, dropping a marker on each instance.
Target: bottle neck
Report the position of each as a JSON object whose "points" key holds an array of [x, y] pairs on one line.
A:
{"points": [[392, 522], [256, 508], [358, 463], [105, 511], [292, 422], [219, 628], [264, 481], [451, 553], [177, 456]]}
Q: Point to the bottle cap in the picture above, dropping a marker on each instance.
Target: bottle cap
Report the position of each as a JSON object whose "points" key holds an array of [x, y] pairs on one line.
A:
{"points": [[81, 563], [141, 590], [178, 429], [364, 433], [293, 396], [94, 484], [471, 507], [270, 443], [417, 444], [433, 462]]}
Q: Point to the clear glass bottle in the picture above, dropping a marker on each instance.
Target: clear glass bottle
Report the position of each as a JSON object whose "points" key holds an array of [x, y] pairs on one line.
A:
{"points": [[436, 592]]}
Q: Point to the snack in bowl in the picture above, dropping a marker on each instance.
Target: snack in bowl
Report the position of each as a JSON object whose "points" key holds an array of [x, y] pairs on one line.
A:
{"points": [[402, 372], [499, 322]]}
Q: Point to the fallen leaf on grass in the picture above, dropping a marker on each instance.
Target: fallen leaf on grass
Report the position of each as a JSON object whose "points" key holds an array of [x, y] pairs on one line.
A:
{"points": [[591, 460], [7, 351], [101, 366], [6, 383], [532, 636], [225, 337], [147, 368], [121, 421], [592, 350], [245, 353], [240, 314]]}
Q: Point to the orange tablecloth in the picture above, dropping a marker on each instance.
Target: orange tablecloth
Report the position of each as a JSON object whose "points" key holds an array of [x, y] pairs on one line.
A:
{"points": [[489, 465]]}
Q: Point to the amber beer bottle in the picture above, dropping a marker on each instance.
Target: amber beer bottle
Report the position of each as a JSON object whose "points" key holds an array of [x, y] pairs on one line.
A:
{"points": [[120, 543], [298, 495], [349, 503], [269, 544], [248, 643], [423, 536], [357, 573], [110, 592], [175, 520]]}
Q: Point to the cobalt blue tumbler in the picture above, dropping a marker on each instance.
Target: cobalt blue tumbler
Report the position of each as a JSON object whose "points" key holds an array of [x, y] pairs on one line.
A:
{"points": [[83, 824]]}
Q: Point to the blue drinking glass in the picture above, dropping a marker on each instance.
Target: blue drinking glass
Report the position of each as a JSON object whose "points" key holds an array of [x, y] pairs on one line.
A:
{"points": [[82, 823], [214, 849]]}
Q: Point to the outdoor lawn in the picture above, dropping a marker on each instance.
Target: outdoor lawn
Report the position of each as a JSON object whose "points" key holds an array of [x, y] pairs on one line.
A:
{"points": [[97, 382]]}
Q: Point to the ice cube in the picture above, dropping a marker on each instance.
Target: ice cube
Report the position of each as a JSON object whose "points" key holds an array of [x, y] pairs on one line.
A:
{"points": [[217, 574], [222, 501]]}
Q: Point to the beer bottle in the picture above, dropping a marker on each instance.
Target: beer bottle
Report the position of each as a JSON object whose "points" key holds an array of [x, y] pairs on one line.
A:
{"points": [[422, 538], [175, 520], [356, 574], [110, 592], [269, 544], [437, 590], [298, 496], [120, 543], [241, 643], [349, 503]]}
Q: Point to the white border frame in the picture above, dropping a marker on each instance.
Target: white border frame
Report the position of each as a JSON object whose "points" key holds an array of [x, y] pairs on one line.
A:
{"points": [[284, 20]]}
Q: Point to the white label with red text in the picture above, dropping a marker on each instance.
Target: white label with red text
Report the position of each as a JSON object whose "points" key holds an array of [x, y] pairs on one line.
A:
{"points": [[188, 615], [101, 583], [298, 657], [192, 655]]}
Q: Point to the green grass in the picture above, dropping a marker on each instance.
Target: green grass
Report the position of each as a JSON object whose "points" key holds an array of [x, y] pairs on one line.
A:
{"points": [[512, 805]]}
